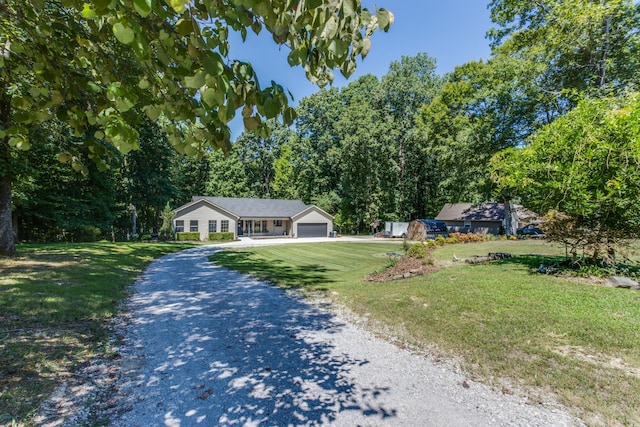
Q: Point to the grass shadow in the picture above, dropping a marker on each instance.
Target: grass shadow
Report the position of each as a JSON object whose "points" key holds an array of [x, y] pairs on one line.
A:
{"points": [[560, 264], [55, 301], [306, 276]]}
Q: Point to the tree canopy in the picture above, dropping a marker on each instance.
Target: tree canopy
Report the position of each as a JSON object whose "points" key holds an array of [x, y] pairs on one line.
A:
{"points": [[586, 166], [95, 65]]}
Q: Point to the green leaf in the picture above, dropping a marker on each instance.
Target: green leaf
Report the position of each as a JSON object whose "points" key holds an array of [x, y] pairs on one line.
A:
{"points": [[349, 7], [88, 12], [184, 26], [195, 82], [251, 123], [366, 47], [210, 97], [339, 48], [178, 5], [93, 87], [144, 84], [143, 7], [271, 108], [102, 4], [124, 104], [385, 19], [123, 33], [56, 97], [213, 64], [313, 4], [152, 112]]}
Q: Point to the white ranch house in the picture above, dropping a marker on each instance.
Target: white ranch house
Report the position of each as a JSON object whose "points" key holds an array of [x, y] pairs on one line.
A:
{"points": [[250, 217]]}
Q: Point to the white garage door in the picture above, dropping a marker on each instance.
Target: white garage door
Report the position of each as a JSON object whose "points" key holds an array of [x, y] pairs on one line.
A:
{"points": [[312, 230]]}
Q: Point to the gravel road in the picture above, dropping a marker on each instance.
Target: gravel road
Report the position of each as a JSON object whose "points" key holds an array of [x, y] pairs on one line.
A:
{"points": [[206, 346]]}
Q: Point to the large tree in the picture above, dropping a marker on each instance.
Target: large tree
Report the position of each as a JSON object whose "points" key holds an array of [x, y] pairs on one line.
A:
{"points": [[585, 45], [89, 63], [585, 165]]}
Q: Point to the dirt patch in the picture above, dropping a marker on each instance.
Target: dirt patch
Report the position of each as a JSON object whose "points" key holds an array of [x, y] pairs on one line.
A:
{"points": [[602, 360], [403, 269]]}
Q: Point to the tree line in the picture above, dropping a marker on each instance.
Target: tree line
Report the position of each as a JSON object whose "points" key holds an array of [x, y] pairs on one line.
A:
{"points": [[400, 146]]}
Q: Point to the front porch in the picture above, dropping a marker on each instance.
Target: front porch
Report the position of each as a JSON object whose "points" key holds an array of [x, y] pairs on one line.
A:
{"points": [[264, 228]]}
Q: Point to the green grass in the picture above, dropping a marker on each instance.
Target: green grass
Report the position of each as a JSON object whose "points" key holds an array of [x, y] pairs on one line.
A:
{"points": [[313, 267], [55, 303], [509, 326]]}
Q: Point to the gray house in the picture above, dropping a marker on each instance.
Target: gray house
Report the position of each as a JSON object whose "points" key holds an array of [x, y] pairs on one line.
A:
{"points": [[252, 217], [485, 218]]}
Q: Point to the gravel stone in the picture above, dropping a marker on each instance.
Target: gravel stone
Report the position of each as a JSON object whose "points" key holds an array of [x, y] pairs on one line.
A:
{"points": [[201, 345]]}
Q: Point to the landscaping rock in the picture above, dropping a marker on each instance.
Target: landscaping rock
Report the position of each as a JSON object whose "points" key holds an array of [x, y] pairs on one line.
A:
{"points": [[492, 256], [623, 282]]}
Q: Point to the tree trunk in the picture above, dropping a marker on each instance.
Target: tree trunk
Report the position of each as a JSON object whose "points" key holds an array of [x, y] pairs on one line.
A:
{"points": [[7, 245], [508, 217]]}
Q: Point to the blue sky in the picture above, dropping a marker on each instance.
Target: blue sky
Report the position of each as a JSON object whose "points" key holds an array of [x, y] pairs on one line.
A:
{"points": [[451, 31]]}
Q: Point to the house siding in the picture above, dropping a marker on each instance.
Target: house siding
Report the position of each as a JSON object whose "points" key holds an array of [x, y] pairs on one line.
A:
{"points": [[479, 227], [203, 212]]}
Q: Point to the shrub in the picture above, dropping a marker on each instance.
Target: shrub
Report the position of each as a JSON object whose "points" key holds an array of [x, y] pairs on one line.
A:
{"points": [[470, 237], [227, 235], [87, 234], [187, 235], [440, 241], [145, 237], [418, 250]]}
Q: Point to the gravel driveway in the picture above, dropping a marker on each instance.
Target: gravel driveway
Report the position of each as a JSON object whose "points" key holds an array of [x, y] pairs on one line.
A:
{"points": [[206, 346]]}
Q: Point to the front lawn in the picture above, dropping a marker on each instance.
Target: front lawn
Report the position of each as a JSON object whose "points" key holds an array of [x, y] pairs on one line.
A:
{"points": [[508, 325], [55, 304]]}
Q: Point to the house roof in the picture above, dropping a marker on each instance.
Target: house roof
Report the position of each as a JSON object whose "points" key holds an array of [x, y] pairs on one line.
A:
{"points": [[472, 212], [257, 208]]}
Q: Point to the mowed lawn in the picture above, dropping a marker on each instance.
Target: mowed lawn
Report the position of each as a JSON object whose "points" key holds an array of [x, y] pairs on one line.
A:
{"points": [[522, 332], [55, 304]]}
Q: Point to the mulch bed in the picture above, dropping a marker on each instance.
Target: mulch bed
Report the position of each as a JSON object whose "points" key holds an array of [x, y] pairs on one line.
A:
{"points": [[405, 267]]}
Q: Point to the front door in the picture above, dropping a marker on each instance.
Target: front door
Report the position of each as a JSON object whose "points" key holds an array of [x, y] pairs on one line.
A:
{"points": [[240, 233]]}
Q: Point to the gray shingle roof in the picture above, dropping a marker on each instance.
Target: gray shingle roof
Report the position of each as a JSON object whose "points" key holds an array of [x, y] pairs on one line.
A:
{"points": [[471, 212], [257, 208]]}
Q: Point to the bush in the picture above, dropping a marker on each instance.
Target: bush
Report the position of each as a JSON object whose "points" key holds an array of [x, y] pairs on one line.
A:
{"points": [[87, 234], [470, 237], [418, 250], [145, 237], [187, 235], [227, 235], [440, 241]]}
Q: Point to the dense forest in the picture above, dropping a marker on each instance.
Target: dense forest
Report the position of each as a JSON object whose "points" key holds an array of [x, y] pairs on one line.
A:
{"points": [[390, 148]]}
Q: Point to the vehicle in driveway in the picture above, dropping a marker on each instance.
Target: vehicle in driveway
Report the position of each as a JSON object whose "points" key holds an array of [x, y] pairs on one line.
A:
{"points": [[530, 230]]}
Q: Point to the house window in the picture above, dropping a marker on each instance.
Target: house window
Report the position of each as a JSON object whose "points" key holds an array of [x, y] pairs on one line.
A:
{"points": [[224, 225], [277, 223], [179, 228], [264, 226], [257, 226], [467, 224], [213, 226], [193, 226]]}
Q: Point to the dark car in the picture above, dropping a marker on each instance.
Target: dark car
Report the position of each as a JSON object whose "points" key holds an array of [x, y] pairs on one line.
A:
{"points": [[530, 230]]}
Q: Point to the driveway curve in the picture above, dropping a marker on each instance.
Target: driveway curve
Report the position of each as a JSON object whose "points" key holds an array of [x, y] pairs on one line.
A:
{"points": [[207, 346]]}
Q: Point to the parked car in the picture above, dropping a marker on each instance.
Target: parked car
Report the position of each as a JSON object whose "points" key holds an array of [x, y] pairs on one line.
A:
{"points": [[530, 230]]}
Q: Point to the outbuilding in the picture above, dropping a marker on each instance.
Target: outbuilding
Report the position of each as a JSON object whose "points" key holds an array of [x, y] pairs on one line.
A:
{"points": [[483, 218]]}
